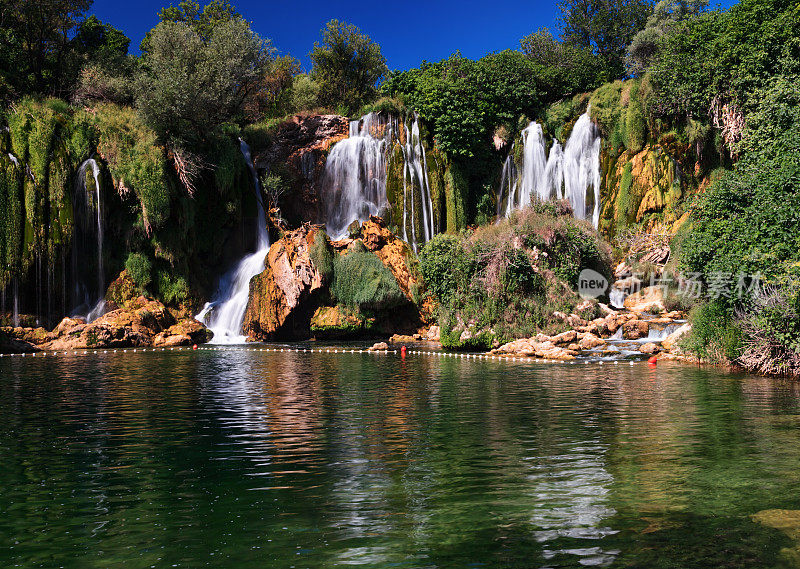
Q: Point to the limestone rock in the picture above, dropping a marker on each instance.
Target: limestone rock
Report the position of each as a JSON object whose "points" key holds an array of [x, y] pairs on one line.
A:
{"points": [[301, 144], [649, 299], [670, 343], [401, 339], [185, 333], [635, 329], [338, 322], [567, 337], [284, 297], [9, 344], [379, 347], [141, 322], [393, 252], [649, 348], [590, 341], [529, 347]]}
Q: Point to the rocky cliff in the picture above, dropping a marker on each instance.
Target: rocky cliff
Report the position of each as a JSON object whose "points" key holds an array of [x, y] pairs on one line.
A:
{"points": [[292, 299], [296, 152]]}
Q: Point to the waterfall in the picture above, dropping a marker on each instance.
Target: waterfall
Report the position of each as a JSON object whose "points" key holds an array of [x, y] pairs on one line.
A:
{"points": [[566, 173], [88, 243], [582, 167], [354, 183], [415, 176], [225, 313], [538, 176]]}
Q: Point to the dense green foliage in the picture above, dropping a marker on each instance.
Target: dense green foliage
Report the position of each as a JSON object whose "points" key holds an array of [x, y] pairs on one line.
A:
{"points": [[463, 100], [726, 56], [646, 43], [361, 280]]}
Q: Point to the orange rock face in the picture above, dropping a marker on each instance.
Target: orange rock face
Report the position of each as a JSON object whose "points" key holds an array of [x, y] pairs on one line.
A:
{"points": [[282, 298]]}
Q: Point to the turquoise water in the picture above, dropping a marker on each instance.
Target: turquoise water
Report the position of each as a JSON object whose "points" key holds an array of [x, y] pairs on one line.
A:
{"points": [[248, 459]]}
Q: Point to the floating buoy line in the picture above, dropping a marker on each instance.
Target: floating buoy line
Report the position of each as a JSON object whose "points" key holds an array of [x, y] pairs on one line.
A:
{"points": [[404, 350]]}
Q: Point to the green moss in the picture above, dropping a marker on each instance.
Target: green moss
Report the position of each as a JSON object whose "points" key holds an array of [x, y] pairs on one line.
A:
{"points": [[635, 129], [322, 255], [228, 163], [626, 206], [135, 160], [171, 289], [456, 188], [394, 188]]}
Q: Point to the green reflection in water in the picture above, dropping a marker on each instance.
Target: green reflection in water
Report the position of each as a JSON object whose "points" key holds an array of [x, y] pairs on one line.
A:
{"points": [[251, 459]]}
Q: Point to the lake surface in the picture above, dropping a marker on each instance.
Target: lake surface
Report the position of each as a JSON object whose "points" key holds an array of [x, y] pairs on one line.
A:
{"points": [[248, 459]]}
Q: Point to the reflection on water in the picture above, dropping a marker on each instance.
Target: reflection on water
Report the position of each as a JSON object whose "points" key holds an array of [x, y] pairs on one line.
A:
{"points": [[251, 459]]}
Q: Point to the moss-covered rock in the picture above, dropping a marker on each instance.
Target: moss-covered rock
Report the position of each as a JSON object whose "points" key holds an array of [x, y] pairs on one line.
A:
{"points": [[340, 321]]}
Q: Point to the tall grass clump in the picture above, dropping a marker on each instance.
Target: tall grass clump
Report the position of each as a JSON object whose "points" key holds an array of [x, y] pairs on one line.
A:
{"points": [[361, 280]]}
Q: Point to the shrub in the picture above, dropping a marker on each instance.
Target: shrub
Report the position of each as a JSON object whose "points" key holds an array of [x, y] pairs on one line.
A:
{"points": [[437, 265], [715, 337], [171, 289], [361, 280], [140, 270]]}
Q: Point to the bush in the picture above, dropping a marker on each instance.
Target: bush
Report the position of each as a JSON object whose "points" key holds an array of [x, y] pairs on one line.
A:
{"points": [[437, 265], [140, 270], [715, 337], [507, 279], [361, 280], [172, 290]]}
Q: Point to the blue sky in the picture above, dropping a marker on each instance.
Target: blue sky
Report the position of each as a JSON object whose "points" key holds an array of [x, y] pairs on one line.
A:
{"points": [[408, 31]]}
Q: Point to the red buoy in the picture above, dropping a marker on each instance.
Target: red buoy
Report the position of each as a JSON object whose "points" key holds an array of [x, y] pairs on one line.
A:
{"points": [[653, 360], [403, 351], [194, 347]]}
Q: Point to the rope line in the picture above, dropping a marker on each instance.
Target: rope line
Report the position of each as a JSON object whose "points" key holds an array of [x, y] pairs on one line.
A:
{"points": [[452, 355]]}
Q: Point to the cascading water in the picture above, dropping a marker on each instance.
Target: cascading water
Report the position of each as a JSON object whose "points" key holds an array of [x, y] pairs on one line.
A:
{"points": [[87, 243], [354, 184], [582, 167], [538, 175], [225, 313], [416, 183], [568, 172]]}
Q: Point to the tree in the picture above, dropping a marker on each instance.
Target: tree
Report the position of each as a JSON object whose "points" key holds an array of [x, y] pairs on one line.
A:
{"points": [[666, 15], [202, 22], [96, 40], [565, 68], [189, 86], [605, 26], [273, 92], [35, 44], [347, 65], [305, 93]]}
